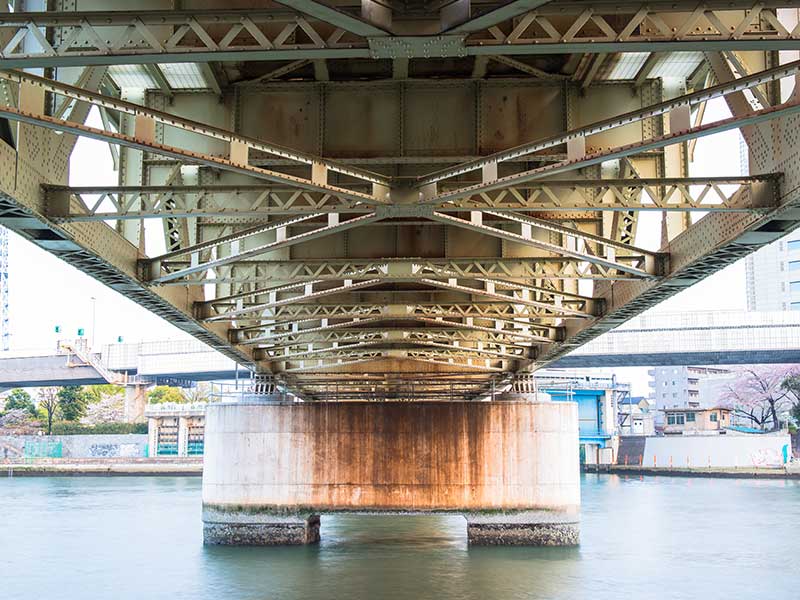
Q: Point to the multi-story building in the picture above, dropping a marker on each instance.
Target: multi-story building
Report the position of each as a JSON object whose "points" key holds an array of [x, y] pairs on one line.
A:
{"points": [[597, 399], [696, 420], [773, 276], [687, 387], [634, 416], [176, 429]]}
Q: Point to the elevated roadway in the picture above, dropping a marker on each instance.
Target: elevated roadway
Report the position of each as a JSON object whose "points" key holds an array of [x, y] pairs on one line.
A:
{"points": [[700, 338]]}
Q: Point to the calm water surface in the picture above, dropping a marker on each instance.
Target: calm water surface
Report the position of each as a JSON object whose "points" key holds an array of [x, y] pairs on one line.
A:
{"points": [[121, 538]]}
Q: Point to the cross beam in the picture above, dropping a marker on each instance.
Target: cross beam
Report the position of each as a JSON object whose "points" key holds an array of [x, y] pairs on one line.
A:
{"points": [[716, 194], [662, 108], [240, 145], [131, 37]]}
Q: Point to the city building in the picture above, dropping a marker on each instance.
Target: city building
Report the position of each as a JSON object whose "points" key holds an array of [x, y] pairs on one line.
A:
{"points": [[597, 399], [176, 429], [773, 275], [634, 416], [687, 387], [695, 420]]}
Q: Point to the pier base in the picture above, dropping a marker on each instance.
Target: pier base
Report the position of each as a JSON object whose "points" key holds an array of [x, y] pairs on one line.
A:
{"points": [[523, 529], [510, 468], [226, 527]]}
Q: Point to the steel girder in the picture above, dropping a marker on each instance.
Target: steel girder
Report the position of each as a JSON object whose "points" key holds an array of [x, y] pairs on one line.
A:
{"points": [[662, 108], [239, 146], [521, 305], [716, 194], [486, 334], [543, 269], [129, 37]]}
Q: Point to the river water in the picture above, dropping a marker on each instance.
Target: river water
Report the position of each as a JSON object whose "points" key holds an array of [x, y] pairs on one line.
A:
{"points": [[652, 537]]}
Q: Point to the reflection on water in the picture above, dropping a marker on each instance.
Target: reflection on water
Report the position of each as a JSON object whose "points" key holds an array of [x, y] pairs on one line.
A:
{"points": [[641, 538]]}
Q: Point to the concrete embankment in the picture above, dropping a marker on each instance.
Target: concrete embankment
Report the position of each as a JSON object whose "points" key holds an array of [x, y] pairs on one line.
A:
{"points": [[788, 472], [102, 467]]}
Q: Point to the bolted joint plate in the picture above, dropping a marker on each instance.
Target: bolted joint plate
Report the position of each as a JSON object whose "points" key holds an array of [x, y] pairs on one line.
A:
{"points": [[391, 211], [439, 46]]}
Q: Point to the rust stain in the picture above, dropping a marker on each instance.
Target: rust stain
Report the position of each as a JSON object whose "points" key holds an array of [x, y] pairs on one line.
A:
{"points": [[401, 456]]}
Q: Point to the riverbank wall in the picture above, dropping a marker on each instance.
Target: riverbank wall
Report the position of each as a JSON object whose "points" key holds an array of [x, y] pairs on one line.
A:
{"points": [[789, 471], [93, 446], [102, 466], [711, 451]]}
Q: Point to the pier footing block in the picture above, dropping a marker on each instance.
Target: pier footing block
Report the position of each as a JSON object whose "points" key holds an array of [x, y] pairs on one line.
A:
{"points": [[523, 530], [245, 528]]}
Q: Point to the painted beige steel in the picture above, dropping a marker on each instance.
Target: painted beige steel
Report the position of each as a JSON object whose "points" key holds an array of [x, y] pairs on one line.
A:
{"points": [[432, 456]]}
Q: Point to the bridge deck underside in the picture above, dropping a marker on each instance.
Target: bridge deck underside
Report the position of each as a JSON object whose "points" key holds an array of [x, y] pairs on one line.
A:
{"points": [[372, 204]]}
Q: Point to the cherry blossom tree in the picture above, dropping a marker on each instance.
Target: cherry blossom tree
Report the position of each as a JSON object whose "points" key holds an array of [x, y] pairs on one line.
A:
{"points": [[761, 394]]}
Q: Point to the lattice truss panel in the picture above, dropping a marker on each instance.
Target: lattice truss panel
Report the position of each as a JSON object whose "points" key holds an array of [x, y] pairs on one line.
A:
{"points": [[118, 37], [412, 237]]}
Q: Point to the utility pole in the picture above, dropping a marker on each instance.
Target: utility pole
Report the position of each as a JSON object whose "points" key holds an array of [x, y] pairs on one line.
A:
{"points": [[94, 319]]}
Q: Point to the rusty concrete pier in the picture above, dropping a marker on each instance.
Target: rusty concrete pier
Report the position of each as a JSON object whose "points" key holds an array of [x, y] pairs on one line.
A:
{"points": [[511, 468]]}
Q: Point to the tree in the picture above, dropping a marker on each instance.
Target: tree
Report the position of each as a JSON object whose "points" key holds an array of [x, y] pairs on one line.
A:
{"points": [[760, 395], [72, 401], [48, 405], [163, 394], [199, 393], [95, 393], [19, 398], [792, 383]]}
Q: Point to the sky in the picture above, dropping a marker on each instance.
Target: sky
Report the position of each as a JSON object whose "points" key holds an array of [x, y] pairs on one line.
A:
{"points": [[45, 292]]}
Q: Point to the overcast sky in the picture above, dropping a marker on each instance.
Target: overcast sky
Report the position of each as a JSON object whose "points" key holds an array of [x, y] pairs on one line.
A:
{"points": [[45, 292]]}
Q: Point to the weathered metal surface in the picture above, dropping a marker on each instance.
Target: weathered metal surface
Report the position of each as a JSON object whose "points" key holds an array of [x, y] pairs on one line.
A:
{"points": [[420, 182], [438, 456]]}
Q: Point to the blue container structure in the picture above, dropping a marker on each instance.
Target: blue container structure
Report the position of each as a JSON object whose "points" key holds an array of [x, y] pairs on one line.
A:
{"points": [[590, 413]]}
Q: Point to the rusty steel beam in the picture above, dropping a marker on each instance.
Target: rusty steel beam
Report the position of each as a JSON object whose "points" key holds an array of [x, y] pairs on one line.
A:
{"points": [[131, 37], [716, 194], [240, 142], [694, 131], [661, 108]]}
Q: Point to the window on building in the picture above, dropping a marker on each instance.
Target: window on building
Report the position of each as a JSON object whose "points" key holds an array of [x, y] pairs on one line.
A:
{"points": [[793, 245], [674, 394], [690, 417], [670, 419], [694, 393], [794, 265], [680, 418], [724, 416], [673, 383], [794, 306], [794, 286], [694, 381], [713, 417]]}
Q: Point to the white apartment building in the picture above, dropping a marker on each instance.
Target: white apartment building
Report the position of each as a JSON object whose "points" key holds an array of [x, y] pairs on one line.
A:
{"points": [[690, 387], [773, 276]]}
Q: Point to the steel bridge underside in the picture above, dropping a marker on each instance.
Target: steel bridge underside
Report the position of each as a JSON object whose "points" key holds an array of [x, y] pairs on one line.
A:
{"points": [[399, 202]]}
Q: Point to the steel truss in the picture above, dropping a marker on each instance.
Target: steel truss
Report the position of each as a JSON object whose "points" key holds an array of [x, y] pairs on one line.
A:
{"points": [[132, 37], [222, 201], [526, 253]]}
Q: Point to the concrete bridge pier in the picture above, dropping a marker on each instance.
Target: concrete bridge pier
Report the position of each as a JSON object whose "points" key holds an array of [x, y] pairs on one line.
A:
{"points": [[510, 468], [135, 403]]}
